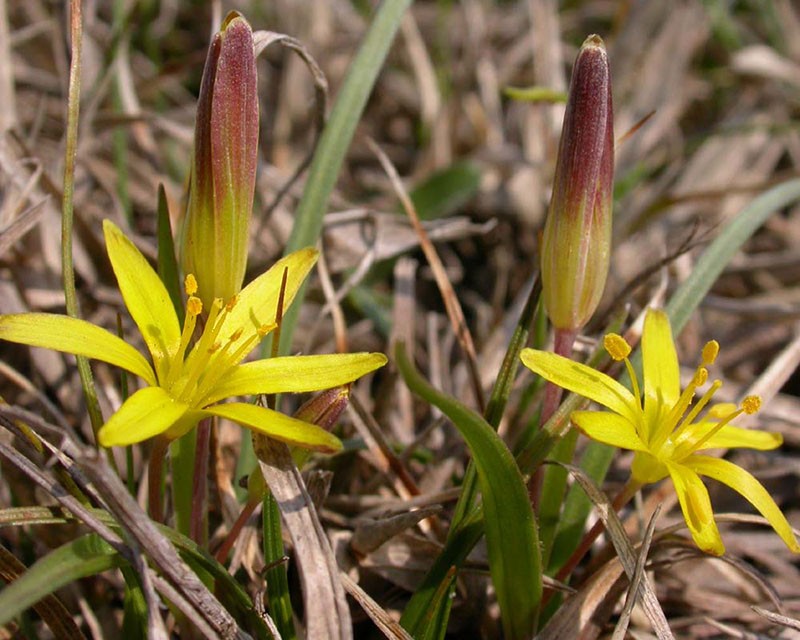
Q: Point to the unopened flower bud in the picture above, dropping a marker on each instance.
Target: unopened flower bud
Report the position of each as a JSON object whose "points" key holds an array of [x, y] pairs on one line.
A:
{"points": [[323, 410], [223, 173], [577, 234]]}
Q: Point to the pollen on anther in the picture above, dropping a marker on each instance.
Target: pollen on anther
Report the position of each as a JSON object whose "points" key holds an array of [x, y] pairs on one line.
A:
{"points": [[235, 335], [231, 303], [751, 404], [264, 329], [700, 377], [710, 352], [194, 306], [214, 347], [190, 284], [617, 346]]}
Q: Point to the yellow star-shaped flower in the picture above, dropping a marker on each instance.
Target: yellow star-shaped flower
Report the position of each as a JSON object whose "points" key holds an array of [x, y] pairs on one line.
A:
{"points": [[665, 430], [187, 383]]}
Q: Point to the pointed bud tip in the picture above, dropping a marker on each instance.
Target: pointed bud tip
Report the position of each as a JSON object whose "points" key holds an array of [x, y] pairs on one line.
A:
{"points": [[594, 41]]}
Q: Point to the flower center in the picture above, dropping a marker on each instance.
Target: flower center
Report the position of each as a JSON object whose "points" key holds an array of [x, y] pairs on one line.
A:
{"points": [[191, 378], [680, 434]]}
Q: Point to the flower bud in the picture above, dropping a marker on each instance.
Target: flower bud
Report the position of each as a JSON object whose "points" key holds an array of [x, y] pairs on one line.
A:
{"points": [[323, 410], [577, 234], [223, 172]]}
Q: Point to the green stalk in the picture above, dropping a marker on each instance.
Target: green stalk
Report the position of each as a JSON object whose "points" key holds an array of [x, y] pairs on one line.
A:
{"points": [[67, 209]]}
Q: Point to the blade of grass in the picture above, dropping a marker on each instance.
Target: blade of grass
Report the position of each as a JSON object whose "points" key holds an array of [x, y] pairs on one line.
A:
{"points": [[428, 609], [511, 535], [336, 138], [83, 557], [280, 603], [67, 208]]}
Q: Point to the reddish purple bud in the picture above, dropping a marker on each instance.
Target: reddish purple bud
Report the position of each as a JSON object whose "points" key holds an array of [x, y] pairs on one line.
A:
{"points": [[215, 234], [577, 235]]}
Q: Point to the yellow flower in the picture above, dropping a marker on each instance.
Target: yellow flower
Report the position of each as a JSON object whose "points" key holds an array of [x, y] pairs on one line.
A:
{"points": [[666, 431], [187, 384]]}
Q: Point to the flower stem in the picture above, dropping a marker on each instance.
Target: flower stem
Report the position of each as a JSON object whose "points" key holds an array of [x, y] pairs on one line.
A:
{"points": [[227, 544], [197, 525], [155, 469], [621, 499], [562, 345]]}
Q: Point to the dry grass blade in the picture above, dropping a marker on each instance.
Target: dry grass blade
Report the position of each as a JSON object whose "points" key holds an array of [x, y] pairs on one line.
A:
{"points": [[627, 556], [777, 618], [205, 608], [454, 311], [633, 590], [326, 613], [390, 628], [261, 40], [23, 223], [50, 608]]}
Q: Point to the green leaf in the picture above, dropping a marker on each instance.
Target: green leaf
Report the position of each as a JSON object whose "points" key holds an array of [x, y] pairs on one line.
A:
{"points": [[445, 191], [511, 536], [167, 263], [719, 253], [80, 558], [336, 138], [280, 602]]}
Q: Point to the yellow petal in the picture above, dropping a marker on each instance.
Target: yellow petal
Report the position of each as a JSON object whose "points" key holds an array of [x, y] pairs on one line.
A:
{"points": [[278, 426], [257, 304], [744, 483], [145, 296], [147, 413], [295, 374], [75, 336], [730, 437], [696, 507], [583, 380], [608, 428], [662, 383]]}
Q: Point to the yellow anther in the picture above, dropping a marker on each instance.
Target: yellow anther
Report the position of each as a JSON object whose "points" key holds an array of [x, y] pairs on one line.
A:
{"points": [[751, 404], [231, 303], [194, 306], [190, 285], [264, 329], [710, 352], [700, 377], [616, 346], [235, 335]]}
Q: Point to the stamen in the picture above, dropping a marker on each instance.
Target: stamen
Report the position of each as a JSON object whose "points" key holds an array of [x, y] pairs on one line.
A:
{"points": [[751, 404], [194, 307], [699, 379], [617, 347], [190, 284], [710, 352], [696, 409]]}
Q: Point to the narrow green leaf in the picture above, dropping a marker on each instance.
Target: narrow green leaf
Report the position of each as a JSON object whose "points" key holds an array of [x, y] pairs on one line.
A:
{"points": [[595, 462], [554, 486], [427, 610], [511, 536], [336, 138], [719, 253], [280, 603], [134, 618], [167, 263], [80, 558]]}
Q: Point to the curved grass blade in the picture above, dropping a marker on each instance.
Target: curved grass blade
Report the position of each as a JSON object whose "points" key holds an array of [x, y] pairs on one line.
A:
{"points": [[719, 253], [80, 558], [511, 536]]}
